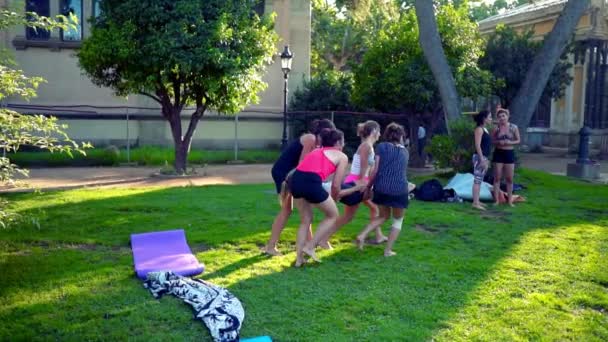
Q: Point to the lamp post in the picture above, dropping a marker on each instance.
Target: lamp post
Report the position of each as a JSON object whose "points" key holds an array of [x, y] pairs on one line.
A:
{"points": [[286, 57]]}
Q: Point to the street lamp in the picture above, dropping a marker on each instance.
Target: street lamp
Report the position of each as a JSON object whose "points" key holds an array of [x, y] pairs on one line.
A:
{"points": [[286, 57]]}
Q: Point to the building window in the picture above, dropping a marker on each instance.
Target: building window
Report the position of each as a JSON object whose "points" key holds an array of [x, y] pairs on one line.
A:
{"points": [[42, 8], [258, 7], [96, 8], [542, 113], [72, 7]]}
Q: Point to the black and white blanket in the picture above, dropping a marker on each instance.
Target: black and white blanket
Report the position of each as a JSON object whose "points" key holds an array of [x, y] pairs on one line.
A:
{"points": [[221, 311]]}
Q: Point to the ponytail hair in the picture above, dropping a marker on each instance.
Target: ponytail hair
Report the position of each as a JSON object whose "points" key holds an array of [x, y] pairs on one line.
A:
{"points": [[365, 129], [360, 126]]}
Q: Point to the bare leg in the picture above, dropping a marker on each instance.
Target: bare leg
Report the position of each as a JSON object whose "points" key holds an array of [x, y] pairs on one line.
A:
{"points": [[373, 213], [278, 225], [497, 176], [349, 214], [329, 208], [305, 210], [509, 171], [476, 203], [375, 223], [388, 251]]}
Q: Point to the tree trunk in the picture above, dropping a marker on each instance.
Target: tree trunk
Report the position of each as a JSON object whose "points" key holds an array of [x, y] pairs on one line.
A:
{"points": [[430, 41], [181, 157], [531, 90]]}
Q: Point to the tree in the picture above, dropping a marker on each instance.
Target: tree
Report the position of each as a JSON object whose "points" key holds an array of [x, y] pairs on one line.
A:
{"points": [[210, 54], [481, 10], [431, 44], [395, 77], [508, 55], [544, 63], [341, 32], [17, 130]]}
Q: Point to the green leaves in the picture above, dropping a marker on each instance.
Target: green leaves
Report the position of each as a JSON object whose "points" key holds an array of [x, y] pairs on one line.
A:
{"points": [[210, 50], [394, 75], [508, 56]]}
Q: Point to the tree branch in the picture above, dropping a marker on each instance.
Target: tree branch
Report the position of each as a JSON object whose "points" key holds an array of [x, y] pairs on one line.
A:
{"points": [[155, 98]]}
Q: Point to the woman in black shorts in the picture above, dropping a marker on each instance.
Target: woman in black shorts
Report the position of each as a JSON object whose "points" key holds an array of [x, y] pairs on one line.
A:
{"points": [[288, 160], [505, 136]]}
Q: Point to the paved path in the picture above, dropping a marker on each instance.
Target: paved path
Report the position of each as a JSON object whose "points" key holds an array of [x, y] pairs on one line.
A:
{"points": [[554, 161]]}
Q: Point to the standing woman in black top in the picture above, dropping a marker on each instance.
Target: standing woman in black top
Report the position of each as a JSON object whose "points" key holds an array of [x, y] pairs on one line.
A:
{"points": [[288, 160], [505, 137], [483, 144]]}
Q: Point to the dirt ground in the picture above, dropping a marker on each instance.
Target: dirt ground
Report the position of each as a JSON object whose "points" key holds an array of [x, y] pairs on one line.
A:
{"points": [[553, 161]]}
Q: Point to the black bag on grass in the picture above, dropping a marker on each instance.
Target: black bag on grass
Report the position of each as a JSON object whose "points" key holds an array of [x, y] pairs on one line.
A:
{"points": [[431, 191]]}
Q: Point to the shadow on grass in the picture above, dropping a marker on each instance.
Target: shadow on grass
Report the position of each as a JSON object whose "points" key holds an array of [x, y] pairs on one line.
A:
{"points": [[352, 295]]}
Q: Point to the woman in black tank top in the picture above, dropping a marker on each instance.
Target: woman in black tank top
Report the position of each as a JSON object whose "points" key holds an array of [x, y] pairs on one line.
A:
{"points": [[288, 160], [483, 143]]}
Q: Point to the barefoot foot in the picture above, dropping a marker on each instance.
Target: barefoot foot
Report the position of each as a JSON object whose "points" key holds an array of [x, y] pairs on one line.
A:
{"points": [[478, 207], [311, 253], [381, 239], [360, 242], [271, 251], [389, 253], [326, 245]]}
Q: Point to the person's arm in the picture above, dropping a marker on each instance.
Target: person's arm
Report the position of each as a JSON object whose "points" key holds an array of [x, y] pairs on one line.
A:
{"points": [[336, 184], [478, 135], [309, 142], [372, 176], [516, 138], [357, 188], [363, 156], [495, 139]]}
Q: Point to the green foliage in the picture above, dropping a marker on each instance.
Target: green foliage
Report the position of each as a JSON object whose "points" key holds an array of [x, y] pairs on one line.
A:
{"points": [[208, 53], [394, 75], [508, 57], [454, 150], [481, 9], [17, 130], [328, 91], [534, 272], [342, 32]]}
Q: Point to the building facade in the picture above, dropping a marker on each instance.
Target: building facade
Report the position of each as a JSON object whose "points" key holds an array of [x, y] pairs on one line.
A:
{"points": [[556, 122], [95, 114]]}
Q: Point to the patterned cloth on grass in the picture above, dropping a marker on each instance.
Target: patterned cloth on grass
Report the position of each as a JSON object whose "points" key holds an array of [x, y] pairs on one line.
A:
{"points": [[221, 311]]}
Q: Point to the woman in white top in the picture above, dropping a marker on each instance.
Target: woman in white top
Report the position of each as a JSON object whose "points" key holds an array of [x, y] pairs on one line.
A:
{"points": [[362, 165]]}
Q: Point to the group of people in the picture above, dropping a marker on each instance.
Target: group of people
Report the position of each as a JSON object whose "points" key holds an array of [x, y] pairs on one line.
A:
{"points": [[504, 137], [312, 172]]}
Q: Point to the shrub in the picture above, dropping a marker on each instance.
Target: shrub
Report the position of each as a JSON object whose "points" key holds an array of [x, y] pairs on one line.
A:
{"points": [[454, 150]]}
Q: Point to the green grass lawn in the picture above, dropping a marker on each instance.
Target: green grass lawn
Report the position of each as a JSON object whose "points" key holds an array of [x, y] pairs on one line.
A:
{"points": [[535, 272]]}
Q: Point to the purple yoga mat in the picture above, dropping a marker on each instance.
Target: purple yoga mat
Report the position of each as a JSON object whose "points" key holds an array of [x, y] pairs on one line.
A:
{"points": [[163, 251]]}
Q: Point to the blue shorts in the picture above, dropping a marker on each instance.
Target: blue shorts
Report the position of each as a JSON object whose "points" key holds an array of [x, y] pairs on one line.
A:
{"points": [[307, 185], [393, 201]]}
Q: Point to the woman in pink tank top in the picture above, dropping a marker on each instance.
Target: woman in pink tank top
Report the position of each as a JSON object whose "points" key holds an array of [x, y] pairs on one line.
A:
{"points": [[306, 187]]}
